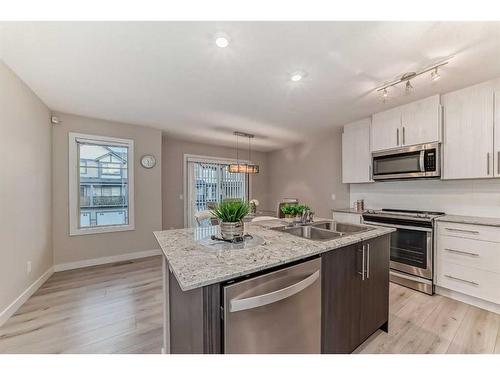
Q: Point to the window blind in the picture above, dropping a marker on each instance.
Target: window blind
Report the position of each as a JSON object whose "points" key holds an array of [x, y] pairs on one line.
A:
{"points": [[209, 183]]}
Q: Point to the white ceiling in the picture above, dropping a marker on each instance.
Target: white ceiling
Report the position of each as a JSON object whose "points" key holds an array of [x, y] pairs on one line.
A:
{"points": [[170, 75]]}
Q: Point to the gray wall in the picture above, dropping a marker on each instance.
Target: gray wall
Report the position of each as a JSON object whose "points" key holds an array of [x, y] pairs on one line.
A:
{"points": [[25, 187], [147, 192], [173, 151], [311, 172]]}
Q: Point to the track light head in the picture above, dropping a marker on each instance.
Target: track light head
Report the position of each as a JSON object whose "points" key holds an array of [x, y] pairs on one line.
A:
{"points": [[408, 87], [435, 76]]}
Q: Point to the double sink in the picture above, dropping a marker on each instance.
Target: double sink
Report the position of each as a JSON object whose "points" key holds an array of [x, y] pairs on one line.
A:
{"points": [[323, 230]]}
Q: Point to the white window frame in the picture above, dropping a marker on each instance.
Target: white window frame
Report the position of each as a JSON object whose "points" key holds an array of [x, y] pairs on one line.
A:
{"points": [[74, 185], [206, 159]]}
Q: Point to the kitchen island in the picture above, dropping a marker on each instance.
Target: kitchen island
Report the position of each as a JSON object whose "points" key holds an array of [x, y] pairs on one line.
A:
{"points": [[354, 283]]}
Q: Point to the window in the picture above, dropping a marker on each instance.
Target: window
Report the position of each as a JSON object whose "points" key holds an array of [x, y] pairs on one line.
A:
{"points": [[208, 182], [101, 184], [83, 167]]}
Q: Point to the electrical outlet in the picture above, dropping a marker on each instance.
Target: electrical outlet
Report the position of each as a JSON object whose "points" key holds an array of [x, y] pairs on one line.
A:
{"points": [[28, 267], [333, 197]]}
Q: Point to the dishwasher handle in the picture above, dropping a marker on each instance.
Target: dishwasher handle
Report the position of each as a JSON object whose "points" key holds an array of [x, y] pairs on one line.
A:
{"points": [[268, 298]]}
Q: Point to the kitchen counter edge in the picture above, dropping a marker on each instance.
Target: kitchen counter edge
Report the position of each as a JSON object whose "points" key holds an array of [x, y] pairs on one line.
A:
{"points": [[315, 248]]}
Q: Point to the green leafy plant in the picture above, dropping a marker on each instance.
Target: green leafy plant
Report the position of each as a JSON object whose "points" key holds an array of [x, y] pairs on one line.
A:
{"points": [[293, 209], [231, 211], [288, 209]]}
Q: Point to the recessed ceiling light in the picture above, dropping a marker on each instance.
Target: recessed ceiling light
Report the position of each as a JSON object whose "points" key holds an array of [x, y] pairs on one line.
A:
{"points": [[297, 76], [222, 42]]}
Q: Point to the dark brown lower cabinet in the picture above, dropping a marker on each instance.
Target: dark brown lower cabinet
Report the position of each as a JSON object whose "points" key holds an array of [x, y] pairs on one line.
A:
{"points": [[355, 294], [375, 287]]}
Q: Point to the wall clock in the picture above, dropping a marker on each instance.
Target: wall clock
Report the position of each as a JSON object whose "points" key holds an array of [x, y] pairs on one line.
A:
{"points": [[148, 161]]}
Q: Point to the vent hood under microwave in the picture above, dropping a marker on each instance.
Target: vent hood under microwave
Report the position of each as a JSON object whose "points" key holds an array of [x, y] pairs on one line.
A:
{"points": [[421, 161]]}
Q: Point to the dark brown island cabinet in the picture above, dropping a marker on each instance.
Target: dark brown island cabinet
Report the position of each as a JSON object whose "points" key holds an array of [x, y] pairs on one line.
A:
{"points": [[355, 294], [354, 303]]}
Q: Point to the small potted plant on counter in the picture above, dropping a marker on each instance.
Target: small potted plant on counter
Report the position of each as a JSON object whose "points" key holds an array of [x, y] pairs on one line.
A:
{"points": [[230, 214], [289, 211], [293, 212], [254, 203]]}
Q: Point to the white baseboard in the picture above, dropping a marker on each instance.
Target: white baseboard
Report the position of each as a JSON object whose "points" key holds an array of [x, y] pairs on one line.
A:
{"points": [[105, 260], [19, 301], [474, 301]]}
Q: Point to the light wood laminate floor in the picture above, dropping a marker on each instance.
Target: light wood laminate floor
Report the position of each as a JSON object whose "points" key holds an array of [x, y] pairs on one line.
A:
{"points": [[118, 309], [113, 308]]}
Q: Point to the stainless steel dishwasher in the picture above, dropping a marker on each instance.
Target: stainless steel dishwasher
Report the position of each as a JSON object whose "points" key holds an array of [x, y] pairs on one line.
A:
{"points": [[279, 312]]}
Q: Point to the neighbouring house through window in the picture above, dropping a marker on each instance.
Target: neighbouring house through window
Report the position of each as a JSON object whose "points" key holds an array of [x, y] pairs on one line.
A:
{"points": [[101, 184]]}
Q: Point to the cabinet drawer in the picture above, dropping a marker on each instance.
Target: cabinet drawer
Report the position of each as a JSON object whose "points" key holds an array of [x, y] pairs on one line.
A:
{"points": [[476, 232], [470, 253], [470, 281]]}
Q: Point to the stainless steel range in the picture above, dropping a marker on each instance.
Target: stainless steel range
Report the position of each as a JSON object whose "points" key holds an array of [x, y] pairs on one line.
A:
{"points": [[411, 245]]}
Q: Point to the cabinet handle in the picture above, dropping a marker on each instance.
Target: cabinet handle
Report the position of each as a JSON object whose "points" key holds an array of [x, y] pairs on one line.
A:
{"points": [[462, 252], [488, 162], [367, 260], [498, 162], [362, 273], [462, 230], [404, 141], [397, 136], [463, 280]]}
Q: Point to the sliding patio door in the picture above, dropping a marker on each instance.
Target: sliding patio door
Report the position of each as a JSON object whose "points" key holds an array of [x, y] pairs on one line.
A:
{"points": [[209, 182]]}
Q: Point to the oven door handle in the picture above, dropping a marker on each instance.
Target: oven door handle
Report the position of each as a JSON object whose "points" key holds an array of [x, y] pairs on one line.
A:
{"points": [[398, 226]]}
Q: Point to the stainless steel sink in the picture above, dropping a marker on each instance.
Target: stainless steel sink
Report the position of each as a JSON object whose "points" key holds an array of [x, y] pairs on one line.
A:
{"points": [[312, 233], [324, 230], [340, 227]]}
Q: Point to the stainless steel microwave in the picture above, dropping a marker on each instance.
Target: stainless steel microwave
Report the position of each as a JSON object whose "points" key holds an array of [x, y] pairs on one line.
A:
{"points": [[422, 161]]}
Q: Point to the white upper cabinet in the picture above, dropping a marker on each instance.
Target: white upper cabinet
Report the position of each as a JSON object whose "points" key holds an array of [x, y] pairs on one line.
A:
{"points": [[421, 121], [468, 132], [356, 154], [496, 132], [411, 124], [386, 127]]}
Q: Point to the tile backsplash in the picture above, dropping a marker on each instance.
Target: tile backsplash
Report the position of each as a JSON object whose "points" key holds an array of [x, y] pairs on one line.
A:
{"points": [[463, 197]]}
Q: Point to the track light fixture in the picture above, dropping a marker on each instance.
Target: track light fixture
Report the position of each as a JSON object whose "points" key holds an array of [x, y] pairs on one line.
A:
{"points": [[406, 77]]}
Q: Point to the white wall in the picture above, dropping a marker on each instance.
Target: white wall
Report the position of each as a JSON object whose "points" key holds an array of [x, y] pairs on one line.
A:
{"points": [[25, 187], [464, 197]]}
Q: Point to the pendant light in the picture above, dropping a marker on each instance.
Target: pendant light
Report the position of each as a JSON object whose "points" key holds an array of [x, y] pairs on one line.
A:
{"points": [[243, 167]]}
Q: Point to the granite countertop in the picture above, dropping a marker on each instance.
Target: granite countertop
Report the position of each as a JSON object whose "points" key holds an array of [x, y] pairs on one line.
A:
{"points": [[490, 221], [195, 265]]}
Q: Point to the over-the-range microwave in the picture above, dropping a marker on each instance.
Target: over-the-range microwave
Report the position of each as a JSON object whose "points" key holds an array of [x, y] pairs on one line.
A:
{"points": [[421, 161]]}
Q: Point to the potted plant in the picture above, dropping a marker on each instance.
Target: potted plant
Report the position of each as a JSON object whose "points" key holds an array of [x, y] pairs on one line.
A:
{"points": [[230, 214], [293, 212], [254, 203]]}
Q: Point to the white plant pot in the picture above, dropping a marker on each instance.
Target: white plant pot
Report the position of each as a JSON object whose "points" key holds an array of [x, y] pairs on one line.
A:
{"points": [[229, 231]]}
